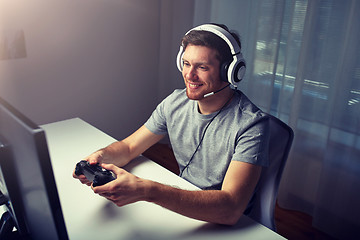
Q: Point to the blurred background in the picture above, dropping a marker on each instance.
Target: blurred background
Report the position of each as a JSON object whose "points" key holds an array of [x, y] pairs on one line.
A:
{"points": [[111, 62]]}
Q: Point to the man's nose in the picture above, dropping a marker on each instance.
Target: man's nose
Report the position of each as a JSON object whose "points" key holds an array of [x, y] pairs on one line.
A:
{"points": [[191, 74]]}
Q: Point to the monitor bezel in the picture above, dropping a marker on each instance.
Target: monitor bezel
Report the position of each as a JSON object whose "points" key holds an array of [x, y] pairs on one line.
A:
{"points": [[21, 209]]}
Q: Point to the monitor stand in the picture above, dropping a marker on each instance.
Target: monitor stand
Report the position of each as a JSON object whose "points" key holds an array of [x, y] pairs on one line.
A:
{"points": [[7, 225], [6, 228]]}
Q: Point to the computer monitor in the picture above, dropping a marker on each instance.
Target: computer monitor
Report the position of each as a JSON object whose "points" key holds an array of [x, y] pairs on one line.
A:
{"points": [[27, 183]]}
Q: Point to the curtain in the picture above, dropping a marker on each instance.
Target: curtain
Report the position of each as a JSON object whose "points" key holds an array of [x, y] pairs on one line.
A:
{"points": [[303, 66]]}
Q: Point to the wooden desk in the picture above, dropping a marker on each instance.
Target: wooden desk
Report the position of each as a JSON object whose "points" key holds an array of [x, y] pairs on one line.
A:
{"points": [[89, 216]]}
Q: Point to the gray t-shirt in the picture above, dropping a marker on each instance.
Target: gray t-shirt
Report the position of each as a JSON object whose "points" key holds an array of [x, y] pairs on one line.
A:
{"points": [[238, 133]]}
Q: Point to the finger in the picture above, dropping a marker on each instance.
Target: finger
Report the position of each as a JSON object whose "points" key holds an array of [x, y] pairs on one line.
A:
{"points": [[107, 195], [103, 189], [95, 157], [108, 166], [113, 168], [78, 176], [82, 179], [85, 181]]}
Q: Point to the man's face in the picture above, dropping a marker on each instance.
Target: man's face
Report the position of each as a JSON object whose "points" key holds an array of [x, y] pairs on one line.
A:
{"points": [[201, 71]]}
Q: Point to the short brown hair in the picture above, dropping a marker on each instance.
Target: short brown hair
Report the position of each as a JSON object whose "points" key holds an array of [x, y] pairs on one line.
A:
{"points": [[211, 40]]}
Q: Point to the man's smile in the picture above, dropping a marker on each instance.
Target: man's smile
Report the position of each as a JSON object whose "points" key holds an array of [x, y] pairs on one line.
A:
{"points": [[194, 85]]}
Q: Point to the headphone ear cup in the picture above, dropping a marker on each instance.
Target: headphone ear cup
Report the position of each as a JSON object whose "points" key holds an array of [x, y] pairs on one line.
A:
{"points": [[239, 71], [179, 61], [224, 71]]}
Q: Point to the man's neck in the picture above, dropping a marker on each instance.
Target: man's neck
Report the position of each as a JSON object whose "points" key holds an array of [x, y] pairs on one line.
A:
{"points": [[215, 102]]}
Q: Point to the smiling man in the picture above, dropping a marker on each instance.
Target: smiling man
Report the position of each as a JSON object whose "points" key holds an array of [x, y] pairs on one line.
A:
{"points": [[219, 138], [201, 73]]}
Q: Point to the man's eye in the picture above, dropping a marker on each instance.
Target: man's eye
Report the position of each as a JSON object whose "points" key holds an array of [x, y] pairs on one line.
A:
{"points": [[186, 64], [204, 68]]}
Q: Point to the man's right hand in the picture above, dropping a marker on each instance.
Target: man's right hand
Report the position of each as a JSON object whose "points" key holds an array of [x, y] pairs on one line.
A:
{"points": [[94, 158]]}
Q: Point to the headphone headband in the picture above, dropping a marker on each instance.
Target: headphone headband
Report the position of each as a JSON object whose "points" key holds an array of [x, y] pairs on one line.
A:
{"points": [[220, 32], [232, 72]]}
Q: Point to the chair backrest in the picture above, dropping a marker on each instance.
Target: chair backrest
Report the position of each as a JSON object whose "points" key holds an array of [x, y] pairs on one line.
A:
{"points": [[264, 200]]}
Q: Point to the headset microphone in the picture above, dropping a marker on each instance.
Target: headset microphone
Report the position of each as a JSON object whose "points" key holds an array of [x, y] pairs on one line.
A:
{"points": [[212, 93]]}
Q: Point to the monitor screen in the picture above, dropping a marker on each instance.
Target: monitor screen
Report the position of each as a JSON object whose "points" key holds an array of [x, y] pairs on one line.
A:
{"points": [[27, 183]]}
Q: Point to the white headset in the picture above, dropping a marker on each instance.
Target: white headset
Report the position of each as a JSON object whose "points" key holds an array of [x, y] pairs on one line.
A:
{"points": [[232, 72]]}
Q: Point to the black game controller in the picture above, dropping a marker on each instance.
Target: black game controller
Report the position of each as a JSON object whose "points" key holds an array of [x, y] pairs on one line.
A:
{"points": [[94, 173]]}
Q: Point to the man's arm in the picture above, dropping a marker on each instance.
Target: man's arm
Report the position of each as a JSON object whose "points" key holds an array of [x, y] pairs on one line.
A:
{"points": [[122, 152], [223, 206]]}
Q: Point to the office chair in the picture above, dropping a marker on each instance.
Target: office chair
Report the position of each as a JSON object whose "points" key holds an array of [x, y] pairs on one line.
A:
{"points": [[264, 200]]}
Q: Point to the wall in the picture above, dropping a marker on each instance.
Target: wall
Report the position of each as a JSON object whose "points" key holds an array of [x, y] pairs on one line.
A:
{"points": [[176, 19], [97, 60]]}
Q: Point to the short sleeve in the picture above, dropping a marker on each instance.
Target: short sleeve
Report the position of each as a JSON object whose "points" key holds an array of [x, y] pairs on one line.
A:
{"points": [[157, 121], [252, 144]]}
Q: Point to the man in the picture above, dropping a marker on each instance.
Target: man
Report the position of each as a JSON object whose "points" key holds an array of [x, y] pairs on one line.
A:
{"points": [[218, 136]]}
